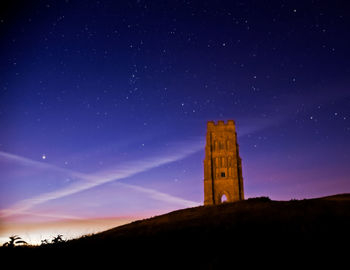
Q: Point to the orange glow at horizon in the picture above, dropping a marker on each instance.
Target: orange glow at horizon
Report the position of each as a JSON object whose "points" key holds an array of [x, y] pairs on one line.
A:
{"points": [[33, 233]]}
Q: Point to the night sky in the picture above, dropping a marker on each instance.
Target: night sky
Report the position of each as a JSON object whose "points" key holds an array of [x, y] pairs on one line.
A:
{"points": [[104, 105]]}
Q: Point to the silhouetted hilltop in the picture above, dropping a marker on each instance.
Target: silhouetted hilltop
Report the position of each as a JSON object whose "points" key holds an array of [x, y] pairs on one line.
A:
{"points": [[211, 236], [340, 197], [257, 216]]}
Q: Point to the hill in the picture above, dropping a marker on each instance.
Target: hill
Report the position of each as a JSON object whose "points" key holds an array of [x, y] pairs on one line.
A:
{"points": [[211, 236]]}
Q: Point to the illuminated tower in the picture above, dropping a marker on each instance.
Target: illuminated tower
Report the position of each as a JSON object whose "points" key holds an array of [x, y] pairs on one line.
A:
{"points": [[223, 179]]}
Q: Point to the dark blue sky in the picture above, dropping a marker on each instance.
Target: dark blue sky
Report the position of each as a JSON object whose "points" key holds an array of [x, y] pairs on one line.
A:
{"points": [[104, 104]]}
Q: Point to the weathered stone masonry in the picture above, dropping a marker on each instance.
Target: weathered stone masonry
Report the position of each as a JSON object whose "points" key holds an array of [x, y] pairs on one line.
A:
{"points": [[222, 164]]}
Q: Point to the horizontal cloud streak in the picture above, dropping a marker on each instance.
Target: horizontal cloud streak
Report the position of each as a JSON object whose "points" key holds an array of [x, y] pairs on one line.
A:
{"points": [[161, 196], [129, 169], [93, 180], [38, 164]]}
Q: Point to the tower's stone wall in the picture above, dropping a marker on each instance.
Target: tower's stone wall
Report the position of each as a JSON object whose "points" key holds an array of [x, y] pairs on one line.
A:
{"points": [[222, 164]]}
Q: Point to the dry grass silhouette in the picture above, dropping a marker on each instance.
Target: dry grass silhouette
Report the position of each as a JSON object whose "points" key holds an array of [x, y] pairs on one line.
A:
{"points": [[214, 236]]}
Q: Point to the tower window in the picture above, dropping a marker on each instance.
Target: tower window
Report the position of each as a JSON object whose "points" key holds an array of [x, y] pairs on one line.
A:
{"points": [[222, 174]]}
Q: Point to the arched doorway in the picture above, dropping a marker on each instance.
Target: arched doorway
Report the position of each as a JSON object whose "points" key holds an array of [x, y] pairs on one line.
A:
{"points": [[223, 198]]}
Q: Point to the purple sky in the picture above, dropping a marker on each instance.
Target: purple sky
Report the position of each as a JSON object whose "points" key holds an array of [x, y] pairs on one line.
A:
{"points": [[103, 105]]}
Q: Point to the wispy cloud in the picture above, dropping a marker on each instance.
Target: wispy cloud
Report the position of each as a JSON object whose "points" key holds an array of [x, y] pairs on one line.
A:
{"points": [[37, 164], [253, 125], [125, 170], [161, 195], [88, 181], [54, 216]]}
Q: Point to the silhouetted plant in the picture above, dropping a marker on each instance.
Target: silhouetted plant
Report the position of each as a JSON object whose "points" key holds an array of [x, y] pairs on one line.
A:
{"points": [[57, 239], [45, 242], [14, 240]]}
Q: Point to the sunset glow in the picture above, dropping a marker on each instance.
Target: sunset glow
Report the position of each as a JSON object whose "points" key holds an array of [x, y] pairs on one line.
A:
{"points": [[104, 105]]}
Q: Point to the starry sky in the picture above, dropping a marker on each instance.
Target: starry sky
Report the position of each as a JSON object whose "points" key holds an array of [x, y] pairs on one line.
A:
{"points": [[104, 105]]}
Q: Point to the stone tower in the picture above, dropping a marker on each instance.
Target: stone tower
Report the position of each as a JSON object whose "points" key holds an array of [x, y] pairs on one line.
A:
{"points": [[223, 179]]}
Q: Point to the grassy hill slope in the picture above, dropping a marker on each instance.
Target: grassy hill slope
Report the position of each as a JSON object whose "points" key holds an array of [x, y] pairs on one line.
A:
{"points": [[211, 236]]}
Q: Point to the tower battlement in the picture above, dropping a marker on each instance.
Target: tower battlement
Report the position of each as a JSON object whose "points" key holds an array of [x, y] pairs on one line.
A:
{"points": [[221, 123], [222, 164]]}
